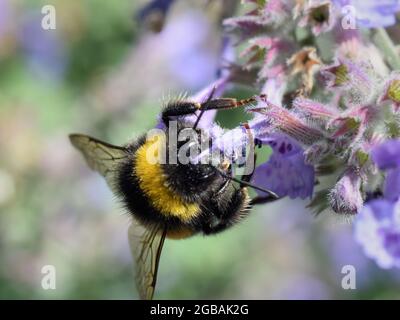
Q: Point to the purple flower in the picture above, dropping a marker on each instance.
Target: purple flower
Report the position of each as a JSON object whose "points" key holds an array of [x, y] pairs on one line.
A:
{"points": [[43, 49], [387, 155], [283, 120], [232, 143], [339, 73], [286, 172], [391, 189], [318, 14], [373, 13], [352, 79], [391, 91], [377, 229], [318, 112], [377, 226], [5, 17], [187, 44], [346, 196]]}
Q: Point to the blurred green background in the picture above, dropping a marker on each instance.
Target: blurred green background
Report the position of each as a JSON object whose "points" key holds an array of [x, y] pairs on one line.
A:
{"points": [[103, 73]]}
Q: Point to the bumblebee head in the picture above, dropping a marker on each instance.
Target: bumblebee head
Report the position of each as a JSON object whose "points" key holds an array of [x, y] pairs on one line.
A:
{"points": [[195, 170]]}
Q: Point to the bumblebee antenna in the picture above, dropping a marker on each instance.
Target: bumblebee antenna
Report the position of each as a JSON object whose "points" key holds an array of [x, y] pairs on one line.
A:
{"points": [[223, 103], [273, 194]]}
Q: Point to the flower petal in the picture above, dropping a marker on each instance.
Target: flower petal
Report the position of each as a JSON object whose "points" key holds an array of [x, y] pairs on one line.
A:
{"points": [[387, 154], [285, 173], [377, 230], [392, 185]]}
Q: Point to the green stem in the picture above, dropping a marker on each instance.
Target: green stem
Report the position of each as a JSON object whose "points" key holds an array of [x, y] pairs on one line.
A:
{"points": [[386, 46]]}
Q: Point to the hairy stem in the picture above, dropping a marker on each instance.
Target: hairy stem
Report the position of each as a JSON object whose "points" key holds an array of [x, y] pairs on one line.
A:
{"points": [[386, 46]]}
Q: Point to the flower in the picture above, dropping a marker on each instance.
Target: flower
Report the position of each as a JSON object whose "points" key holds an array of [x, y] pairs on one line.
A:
{"points": [[327, 128], [387, 155], [314, 110], [272, 51], [44, 51], [286, 172], [307, 63], [377, 226], [191, 53], [353, 80], [281, 119], [391, 91], [318, 14], [377, 230], [372, 13], [5, 17], [346, 196], [391, 189], [232, 143]]}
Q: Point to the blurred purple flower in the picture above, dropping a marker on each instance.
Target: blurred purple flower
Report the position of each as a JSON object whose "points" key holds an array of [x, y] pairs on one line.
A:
{"points": [[5, 15], [373, 13], [187, 44], [377, 229], [377, 226], [391, 189], [387, 155], [302, 287], [286, 172], [339, 244], [43, 49]]}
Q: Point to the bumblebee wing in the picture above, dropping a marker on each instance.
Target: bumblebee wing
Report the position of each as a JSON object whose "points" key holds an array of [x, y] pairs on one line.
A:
{"points": [[146, 246], [100, 156]]}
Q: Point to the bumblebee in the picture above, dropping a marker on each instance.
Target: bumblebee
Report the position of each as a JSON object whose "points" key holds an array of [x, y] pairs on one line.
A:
{"points": [[170, 200]]}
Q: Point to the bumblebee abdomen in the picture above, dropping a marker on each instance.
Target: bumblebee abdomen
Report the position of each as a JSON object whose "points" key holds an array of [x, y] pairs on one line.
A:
{"points": [[153, 182]]}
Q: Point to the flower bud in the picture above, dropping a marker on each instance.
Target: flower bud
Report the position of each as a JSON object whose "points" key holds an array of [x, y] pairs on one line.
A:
{"points": [[345, 197]]}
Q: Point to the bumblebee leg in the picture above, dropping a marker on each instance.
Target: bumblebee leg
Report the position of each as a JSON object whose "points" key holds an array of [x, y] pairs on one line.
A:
{"points": [[227, 103], [262, 200], [182, 108]]}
